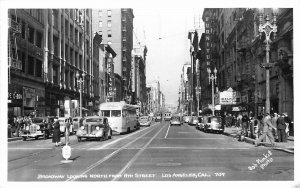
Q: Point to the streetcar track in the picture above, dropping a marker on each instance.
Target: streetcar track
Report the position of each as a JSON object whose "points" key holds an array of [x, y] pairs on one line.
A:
{"points": [[120, 173], [91, 167]]}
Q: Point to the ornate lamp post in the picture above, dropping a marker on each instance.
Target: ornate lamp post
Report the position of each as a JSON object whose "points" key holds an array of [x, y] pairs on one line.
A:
{"points": [[80, 81], [198, 93], [267, 28], [212, 78]]}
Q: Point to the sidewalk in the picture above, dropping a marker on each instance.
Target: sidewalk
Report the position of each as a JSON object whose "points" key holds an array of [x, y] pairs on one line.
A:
{"points": [[284, 146], [14, 139]]}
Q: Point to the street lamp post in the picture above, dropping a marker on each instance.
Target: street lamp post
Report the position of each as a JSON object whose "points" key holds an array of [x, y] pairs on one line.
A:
{"points": [[80, 81], [267, 28], [212, 78], [198, 93]]}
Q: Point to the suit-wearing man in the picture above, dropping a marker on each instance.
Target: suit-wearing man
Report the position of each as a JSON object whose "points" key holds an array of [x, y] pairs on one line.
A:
{"points": [[266, 130]]}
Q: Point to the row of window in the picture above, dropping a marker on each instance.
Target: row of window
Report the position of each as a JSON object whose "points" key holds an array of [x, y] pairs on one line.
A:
{"points": [[108, 24], [100, 13], [30, 64]]}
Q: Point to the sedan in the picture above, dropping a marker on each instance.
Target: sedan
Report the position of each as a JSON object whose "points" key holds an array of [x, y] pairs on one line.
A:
{"points": [[145, 121], [94, 127], [176, 120]]}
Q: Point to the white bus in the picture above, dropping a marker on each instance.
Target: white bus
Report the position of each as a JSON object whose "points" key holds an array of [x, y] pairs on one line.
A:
{"points": [[121, 117]]}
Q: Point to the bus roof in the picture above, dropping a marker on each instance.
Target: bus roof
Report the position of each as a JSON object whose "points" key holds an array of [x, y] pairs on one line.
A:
{"points": [[117, 105]]}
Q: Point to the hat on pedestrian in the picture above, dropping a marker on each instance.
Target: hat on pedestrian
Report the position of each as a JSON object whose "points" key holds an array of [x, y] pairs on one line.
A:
{"points": [[284, 114]]}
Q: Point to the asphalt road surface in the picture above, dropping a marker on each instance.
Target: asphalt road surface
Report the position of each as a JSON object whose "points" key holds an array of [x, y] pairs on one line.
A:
{"points": [[155, 153]]}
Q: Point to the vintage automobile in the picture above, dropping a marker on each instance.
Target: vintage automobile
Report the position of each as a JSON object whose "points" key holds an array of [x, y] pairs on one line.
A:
{"points": [[77, 122], [176, 120], [158, 117], [200, 124], [186, 119], [145, 121], [193, 120], [94, 127], [214, 124], [40, 127]]}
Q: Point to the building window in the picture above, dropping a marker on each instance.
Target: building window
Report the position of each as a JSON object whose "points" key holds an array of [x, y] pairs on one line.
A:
{"points": [[30, 34], [55, 74], [100, 33], [109, 23], [109, 13], [30, 65], [71, 33], [76, 36], [39, 68], [55, 18], [100, 13], [109, 33], [67, 28], [23, 59], [100, 23], [23, 30], [56, 46], [87, 27], [39, 38]]}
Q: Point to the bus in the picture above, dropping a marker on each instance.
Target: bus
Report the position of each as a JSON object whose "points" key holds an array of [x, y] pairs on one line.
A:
{"points": [[122, 117]]}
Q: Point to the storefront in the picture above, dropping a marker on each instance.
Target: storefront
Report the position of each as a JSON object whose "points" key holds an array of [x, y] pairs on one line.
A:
{"points": [[15, 100]]}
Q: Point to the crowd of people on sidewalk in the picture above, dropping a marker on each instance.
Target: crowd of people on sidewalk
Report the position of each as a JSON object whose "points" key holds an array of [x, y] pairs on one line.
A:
{"points": [[275, 127]]}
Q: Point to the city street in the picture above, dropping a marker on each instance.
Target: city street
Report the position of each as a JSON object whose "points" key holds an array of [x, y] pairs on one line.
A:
{"points": [[155, 153]]}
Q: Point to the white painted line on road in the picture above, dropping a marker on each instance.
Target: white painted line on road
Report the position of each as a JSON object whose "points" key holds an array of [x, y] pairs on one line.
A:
{"points": [[119, 175], [27, 148], [198, 148], [185, 132], [107, 157], [194, 138], [167, 132]]}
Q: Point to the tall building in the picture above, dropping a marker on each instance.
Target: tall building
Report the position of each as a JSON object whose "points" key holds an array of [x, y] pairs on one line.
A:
{"points": [[52, 46], [240, 57], [116, 28]]}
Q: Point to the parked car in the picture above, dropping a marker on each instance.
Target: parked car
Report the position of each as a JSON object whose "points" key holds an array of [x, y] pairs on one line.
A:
{"points": [[200, 124], [39, 127], [145, 121], [176, 120], [186, 119], [77, 122], [214, 124], [94, 127], [193, 120]]}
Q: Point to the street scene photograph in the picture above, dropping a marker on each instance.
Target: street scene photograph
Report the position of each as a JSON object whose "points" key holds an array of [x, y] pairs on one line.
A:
{"points": [[135, 93]]}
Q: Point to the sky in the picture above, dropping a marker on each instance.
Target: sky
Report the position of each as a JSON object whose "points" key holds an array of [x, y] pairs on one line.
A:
{"points": [[164, 31]]}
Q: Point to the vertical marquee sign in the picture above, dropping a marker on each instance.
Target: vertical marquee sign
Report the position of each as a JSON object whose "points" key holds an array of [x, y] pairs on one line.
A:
{"points": [[207, 41], [110, 71]]}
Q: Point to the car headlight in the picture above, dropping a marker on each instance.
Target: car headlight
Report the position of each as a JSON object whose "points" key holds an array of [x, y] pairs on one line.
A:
{"points": [[38, 127], [82, 127], [27, 128]]}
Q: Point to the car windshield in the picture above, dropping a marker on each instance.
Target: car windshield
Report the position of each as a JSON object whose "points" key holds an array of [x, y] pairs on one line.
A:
{"points": [[100, 120], [175, 117], [144, 118], [37, 120], [215, 119], [116, 113]]}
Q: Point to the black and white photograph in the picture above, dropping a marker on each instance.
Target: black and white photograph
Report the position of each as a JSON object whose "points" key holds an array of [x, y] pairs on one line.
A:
{"points": [[148, 93]]}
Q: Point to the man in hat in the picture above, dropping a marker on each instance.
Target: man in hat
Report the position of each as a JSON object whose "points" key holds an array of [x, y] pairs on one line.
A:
{"points": [[281, 126], [266, 130]]}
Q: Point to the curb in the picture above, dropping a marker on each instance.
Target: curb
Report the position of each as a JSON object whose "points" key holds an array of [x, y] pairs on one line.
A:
{"points": [[14, 139], [252, 141]]}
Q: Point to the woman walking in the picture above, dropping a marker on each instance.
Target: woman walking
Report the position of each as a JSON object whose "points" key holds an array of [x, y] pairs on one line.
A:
{"points": [[56, 133]]}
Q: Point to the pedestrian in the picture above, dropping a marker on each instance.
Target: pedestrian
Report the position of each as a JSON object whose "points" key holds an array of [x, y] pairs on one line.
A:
{"points": [[288, 123], [245, 120], [266, 131], [274, 123], [56, 133], [281, 127]]}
